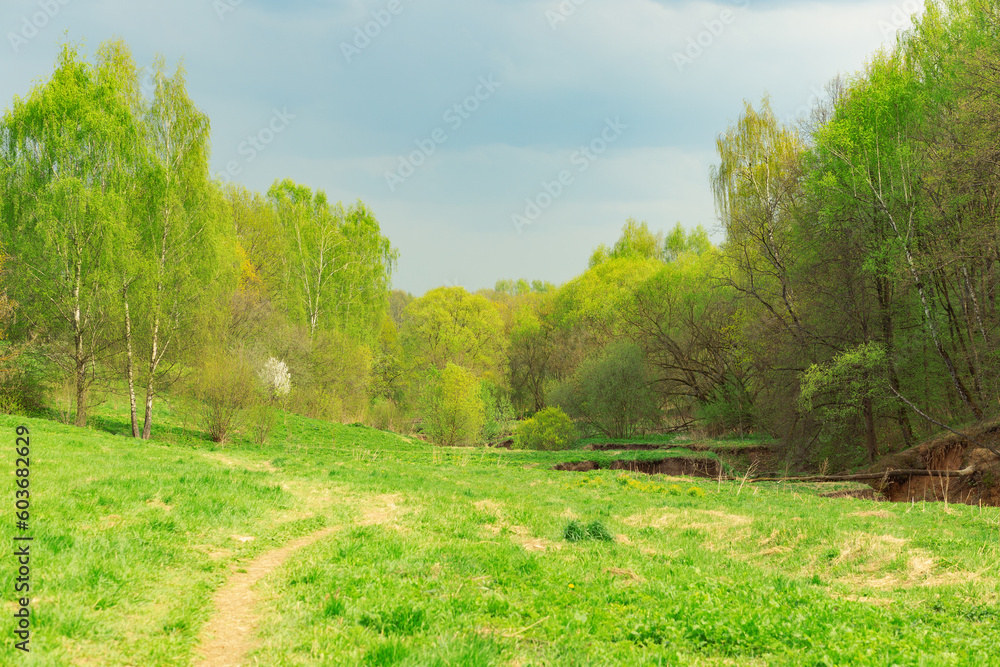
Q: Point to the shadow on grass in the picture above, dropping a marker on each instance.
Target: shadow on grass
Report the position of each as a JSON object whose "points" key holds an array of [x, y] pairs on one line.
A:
{"points": [[165, 432]]}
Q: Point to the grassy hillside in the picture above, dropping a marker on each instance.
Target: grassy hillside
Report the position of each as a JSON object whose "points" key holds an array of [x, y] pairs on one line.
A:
{"points": [[459, 557]]}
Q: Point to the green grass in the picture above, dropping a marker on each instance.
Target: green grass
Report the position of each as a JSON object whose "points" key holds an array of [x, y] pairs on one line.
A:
{"points": [[655, 439], [452, 556]]}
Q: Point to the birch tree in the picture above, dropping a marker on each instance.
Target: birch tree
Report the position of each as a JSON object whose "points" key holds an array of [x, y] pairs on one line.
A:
{"points": [[183, 238], [71, 150]]}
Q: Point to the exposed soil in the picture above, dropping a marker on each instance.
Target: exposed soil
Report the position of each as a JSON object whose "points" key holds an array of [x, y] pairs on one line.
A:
{"points": [[763, 457], [577, 466], [950, 452], [229, 634], [675, 466]]}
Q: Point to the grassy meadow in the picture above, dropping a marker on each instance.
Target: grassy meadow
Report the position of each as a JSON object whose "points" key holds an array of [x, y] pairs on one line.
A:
{"points": [[456, 556]]}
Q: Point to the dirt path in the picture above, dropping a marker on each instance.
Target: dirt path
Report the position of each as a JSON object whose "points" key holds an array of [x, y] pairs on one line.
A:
{"points": [[231, 632]]}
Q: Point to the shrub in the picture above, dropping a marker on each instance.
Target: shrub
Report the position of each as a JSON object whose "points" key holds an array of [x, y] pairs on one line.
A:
{"points": [[729, 407], [275, 377], [549, 430], [228, 387], [276, 384], [262, 418], [23, 373], [612, 392], [452, 408], [498, 411], [331, 371], [385, 415]]}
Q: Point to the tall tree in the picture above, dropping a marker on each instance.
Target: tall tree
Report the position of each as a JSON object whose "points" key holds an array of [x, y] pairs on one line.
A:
{"points": [[72, 150], [339, 265], [183, 235]]}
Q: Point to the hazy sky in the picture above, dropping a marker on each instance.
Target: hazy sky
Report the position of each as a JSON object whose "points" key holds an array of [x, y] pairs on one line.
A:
{"points": [[492, 138]]}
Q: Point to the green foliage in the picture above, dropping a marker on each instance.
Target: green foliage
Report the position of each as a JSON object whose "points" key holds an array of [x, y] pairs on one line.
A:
{"points": [[452, 408], [636, 241], [227, 385], [611, 392], [72, 152], [594, 298], [729, 406], [332, 373], [498, 412], [679, 242], [386, 415], [837, 389], [340, 264], [449, 325], [25, 378], [549, 430]]}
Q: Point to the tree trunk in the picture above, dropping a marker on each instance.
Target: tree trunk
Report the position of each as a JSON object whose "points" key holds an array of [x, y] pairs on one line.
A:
{"points": [[963, 393], [81, 386], [870, 441], [79, 357], [147, 425], [128, 365]]}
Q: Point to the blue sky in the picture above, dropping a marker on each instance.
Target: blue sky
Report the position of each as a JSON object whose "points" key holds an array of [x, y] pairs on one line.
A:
{"points": [[456, 120]]}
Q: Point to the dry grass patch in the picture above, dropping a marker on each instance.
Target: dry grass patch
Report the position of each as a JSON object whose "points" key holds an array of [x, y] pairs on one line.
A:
{"points": [[871, 555], [712, 521], [625, 575], [157, 503]]}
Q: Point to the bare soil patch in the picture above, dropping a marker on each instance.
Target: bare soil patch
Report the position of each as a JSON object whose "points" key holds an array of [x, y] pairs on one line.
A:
{"points": [[948, 453], [230, 633], [675, 466]]}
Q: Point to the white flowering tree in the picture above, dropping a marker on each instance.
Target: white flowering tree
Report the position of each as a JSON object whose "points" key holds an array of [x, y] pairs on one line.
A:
{"points": [[276, 378], [277, 383]]}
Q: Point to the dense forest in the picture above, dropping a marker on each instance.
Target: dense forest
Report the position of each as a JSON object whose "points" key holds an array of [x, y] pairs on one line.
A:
{"points": [[852, 304]]}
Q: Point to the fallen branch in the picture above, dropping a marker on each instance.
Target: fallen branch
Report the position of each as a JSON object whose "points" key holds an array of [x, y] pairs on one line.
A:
{"points": [[945, 426], [965, 472]]}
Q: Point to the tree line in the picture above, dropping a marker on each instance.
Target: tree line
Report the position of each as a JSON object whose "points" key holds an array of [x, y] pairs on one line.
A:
{"points": [[853, 299], [852, 305], [129, 263]]}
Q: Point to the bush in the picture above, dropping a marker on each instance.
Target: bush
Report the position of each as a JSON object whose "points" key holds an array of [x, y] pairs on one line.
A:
{"points": [[498, 411], [228, 386], [386, 415], [730, 407], [613, 392], [331, 372], [452, 408], [23, 386], [549, 430]]}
